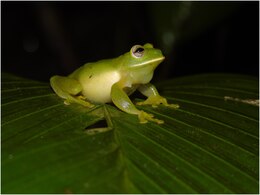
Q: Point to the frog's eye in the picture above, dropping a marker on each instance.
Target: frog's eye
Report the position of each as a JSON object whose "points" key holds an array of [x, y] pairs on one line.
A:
{"points": [[137, 51]]}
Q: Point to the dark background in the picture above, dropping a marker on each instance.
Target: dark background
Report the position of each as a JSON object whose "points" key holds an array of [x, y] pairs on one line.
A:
{"points": [[40, 39]]}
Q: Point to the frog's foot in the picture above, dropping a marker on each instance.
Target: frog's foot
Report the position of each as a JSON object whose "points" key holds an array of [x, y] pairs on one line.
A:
{"points": [[80, 97], [79, 100], [157, 100], [144, 117]]}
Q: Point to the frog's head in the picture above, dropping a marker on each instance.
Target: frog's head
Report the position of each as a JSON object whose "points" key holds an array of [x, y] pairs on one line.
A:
{"points": [[141, 62], [144, 56]]}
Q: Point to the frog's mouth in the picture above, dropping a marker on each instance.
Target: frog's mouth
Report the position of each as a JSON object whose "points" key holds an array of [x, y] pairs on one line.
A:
{"points": [[154, 62]]}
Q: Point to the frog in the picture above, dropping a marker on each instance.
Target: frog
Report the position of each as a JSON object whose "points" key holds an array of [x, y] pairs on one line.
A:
{"points": [[114, 80]]}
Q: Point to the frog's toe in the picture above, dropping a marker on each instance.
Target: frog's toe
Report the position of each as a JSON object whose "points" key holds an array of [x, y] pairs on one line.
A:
{"points": [[154, 101], [140, 103], [175, 106], [80, 97], [145, 117], [67, 102], [78, 100]]}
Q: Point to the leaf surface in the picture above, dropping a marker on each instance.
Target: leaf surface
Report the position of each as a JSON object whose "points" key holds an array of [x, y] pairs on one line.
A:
{"points": [[209, 145]]}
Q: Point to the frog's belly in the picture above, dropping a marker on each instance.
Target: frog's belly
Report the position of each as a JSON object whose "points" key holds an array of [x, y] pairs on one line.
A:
{"points": [[97, 88]]}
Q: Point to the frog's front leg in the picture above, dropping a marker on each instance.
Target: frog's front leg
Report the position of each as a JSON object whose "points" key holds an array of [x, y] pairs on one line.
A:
{"points": [[154, 97], [122, 101], [68, 89]]}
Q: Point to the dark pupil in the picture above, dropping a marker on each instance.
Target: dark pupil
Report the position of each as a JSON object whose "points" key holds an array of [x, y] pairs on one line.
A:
{"points": [[139, 50]]}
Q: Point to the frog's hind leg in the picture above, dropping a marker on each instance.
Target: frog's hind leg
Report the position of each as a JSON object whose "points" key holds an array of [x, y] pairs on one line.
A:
{"points": [[79, 100], [68, 88]]}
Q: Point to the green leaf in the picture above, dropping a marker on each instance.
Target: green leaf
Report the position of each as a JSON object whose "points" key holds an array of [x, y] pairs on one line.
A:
{"points": [[209, 145]]}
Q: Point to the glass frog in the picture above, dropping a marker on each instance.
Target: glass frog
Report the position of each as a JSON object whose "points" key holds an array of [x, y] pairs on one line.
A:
{"points": [[113, 80]]}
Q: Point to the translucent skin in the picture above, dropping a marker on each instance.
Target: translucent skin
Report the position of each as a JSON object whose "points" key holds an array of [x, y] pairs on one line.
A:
{"points": [[107, 80]]}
